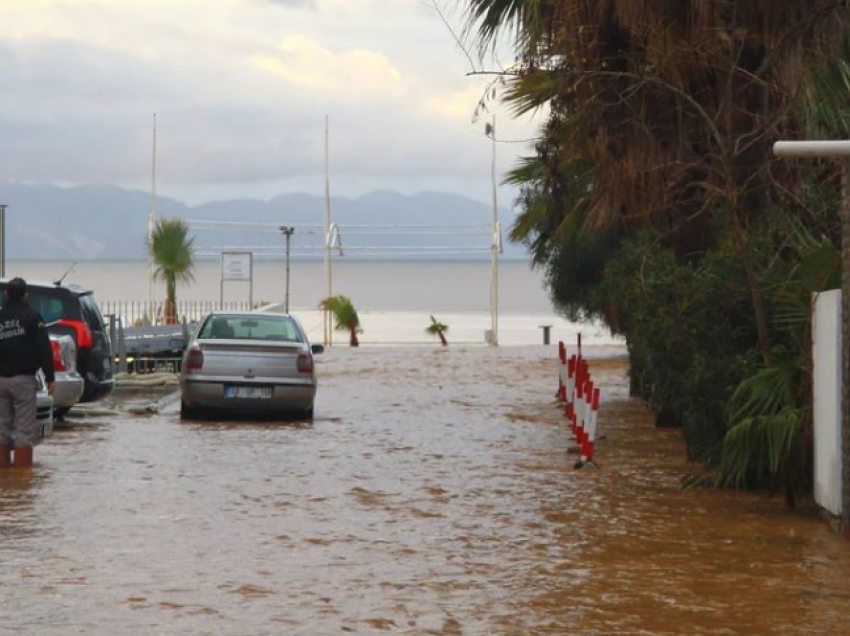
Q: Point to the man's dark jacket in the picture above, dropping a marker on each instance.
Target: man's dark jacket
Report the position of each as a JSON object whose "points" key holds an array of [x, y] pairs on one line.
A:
{"points": [[24, 342]]}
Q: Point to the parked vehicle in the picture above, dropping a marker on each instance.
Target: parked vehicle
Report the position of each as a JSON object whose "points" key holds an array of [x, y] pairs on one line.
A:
{"points": [[249, 361], [70, 310], [69, 383], [44, 409]]}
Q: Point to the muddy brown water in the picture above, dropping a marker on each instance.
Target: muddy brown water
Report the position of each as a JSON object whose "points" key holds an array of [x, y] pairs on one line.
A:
{"points": [[432, 494]]}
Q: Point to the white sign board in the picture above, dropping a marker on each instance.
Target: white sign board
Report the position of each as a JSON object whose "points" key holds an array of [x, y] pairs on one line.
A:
{"points": [[236, 266], [827, 408]]}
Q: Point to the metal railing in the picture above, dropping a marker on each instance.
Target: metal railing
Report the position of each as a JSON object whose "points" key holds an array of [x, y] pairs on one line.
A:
{"points": [[142, 362], [137, 313]]}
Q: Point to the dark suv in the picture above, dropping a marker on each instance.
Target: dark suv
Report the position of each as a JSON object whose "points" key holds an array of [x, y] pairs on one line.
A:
{"points": [[70, 310]]}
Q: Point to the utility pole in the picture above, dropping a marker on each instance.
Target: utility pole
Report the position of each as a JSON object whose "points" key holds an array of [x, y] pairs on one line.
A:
{"points": [[839, 150], [152, 216], [328, 222], [2, 241], [494, 274], [288, 232]]}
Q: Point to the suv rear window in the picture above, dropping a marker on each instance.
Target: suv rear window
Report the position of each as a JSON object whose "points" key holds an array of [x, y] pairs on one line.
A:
{"points": [[53, 304], [91, 313]]}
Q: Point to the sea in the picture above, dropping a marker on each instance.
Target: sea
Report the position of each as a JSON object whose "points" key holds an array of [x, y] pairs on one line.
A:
{"points": [[395, 298]]}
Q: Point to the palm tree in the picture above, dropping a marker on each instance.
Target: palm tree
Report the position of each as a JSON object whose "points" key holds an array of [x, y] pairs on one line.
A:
{"points": [[661, 116], [675, 108], [173, 253], [345, 316], [438, 329]]}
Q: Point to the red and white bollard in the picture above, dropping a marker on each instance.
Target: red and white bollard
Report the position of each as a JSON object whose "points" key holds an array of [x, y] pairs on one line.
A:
{"points": [[586, 392], [570, 388], [578, 411], [562, 364], [590, 437]]}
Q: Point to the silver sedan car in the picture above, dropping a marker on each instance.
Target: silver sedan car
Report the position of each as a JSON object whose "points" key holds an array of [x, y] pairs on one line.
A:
{"points": [[249, 361]]}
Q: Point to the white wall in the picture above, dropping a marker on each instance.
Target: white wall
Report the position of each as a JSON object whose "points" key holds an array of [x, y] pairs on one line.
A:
{"points": [[827, 400]]}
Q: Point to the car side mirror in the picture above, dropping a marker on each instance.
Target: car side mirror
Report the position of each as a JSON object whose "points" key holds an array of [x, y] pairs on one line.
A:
{"points": [[317, 349]]}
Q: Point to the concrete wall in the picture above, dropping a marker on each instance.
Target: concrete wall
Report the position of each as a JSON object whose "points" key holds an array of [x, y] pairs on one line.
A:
{"points": [[827, 400]]}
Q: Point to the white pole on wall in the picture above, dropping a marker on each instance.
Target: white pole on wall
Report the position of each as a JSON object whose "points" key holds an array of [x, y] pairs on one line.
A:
{"points": [[836, 149]]}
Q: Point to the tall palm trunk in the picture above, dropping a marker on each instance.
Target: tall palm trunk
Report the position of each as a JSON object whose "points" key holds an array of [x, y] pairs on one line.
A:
{"points": [[171, 300], [353, 341]]}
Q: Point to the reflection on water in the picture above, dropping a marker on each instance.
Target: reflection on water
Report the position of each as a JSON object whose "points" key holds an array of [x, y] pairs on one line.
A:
{"points": [[433, 494]]}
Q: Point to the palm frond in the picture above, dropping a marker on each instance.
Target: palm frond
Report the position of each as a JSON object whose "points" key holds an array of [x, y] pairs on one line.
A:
{"points": [[436, 328], [344, 313], [173, 253], [759, 445]]}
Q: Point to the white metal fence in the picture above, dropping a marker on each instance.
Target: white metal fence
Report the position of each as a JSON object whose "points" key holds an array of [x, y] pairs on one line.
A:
{"points": [[134, 313]]}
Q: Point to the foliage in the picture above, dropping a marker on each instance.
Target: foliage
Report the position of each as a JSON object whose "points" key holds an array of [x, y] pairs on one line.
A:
{"points": [[345, 316], [766, 425], [438, 329], [173, 254], [652, 200]]}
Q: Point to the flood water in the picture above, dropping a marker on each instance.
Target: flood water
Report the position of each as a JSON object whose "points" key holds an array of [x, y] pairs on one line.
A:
{"points": [[433, 494]]}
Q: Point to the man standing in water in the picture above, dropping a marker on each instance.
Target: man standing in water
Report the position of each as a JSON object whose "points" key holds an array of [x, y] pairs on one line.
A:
{"points": [[24, 349]]}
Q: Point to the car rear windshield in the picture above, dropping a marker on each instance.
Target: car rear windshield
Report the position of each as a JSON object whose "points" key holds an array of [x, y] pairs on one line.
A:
{"points": [[53, 304], [278, 328]]}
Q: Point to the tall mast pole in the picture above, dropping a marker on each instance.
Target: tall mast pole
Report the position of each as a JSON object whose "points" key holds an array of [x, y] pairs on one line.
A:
{"points": [[494, 283], [328, 223], [152, 217]]}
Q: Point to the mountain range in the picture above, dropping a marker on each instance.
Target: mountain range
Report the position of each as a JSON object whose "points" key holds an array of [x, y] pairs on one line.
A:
{"points": [[47, 222]]}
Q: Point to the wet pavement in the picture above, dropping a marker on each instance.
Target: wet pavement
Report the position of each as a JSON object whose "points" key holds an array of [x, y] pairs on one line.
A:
{"points": [[432, 494]]}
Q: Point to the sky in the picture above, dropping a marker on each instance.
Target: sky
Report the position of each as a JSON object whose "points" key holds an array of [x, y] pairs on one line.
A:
{"points": [[241, 89]]}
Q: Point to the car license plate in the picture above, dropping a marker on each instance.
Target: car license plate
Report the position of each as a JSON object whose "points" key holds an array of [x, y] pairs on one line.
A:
{"points": [[248, 392]]}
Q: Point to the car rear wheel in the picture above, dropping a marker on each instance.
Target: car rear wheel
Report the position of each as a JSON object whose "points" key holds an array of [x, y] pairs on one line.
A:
{"points": [[60, 414]]}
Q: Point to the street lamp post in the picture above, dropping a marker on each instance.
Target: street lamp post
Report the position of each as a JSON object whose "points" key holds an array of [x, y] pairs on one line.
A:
{"points": [[840, 150], [288, 232]]}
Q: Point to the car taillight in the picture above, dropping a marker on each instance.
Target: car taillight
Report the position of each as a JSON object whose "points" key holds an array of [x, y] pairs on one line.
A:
{"points": [[305, 363], [58, 362], [195, 360], [84, 337]]}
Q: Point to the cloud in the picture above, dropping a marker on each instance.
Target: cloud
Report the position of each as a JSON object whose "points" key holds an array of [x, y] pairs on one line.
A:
{"points": [[241, 89], [303, 62], [294, 4], [457, 104]]}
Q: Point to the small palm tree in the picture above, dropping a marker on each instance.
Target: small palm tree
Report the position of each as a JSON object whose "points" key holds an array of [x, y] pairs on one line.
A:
{"points": [[345, 316], [438, 329], [173, 254]]}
